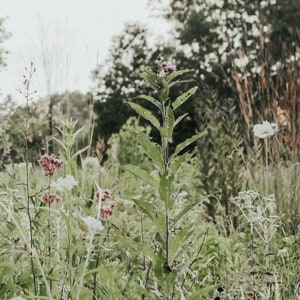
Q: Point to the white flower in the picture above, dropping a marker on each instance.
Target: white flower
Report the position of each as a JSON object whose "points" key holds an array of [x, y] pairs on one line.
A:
{"points": [[17, 298], [93, 224], [91, 166], [64, 183], [241, 62], [265, 129]]}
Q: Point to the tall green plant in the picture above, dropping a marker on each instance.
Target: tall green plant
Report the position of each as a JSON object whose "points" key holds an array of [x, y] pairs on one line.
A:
{"points": [[163, 210]]}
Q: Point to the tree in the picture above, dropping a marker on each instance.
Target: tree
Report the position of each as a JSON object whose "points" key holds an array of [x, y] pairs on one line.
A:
{"points": [[118, 82], [3, 36]]}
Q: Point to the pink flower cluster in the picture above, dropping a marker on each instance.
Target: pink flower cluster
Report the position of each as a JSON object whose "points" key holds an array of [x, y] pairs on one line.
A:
{"points": [[167, 67], [105, 195], [49, 198], [50, 164], [107, 211]]}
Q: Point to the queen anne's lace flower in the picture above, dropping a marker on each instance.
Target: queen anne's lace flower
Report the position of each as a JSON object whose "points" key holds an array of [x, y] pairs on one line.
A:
{"points": [[91, 166], [64, 183], [93, 224], [265, 129]]}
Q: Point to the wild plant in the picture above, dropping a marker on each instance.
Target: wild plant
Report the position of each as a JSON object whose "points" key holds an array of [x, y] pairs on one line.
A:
{"points": [[165, 246], [260, 212], [50, 230]]}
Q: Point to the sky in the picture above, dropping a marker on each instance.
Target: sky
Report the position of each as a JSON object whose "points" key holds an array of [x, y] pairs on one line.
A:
{"points": [[64, 39]]}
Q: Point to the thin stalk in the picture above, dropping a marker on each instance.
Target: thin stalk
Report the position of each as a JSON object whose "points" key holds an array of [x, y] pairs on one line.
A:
{"points": [[267, 166], [28, 196], [49, 236], [165, 154], [89, 250], [30, 226]]}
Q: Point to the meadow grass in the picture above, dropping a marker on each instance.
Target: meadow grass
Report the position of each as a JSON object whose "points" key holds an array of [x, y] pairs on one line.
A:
{"points": [[137, 226]]}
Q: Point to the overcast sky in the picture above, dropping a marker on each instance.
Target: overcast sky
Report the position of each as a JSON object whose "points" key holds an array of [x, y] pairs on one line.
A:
{"points": [[73, 35]]}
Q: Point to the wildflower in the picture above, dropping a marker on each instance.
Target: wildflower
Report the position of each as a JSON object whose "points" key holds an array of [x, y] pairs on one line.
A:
{"points": [[64, 183], [92, 224], [90, 165], [50, 164], [104, 194], [50, 198], [265, 129], [16, 239], [165, 68], [106, 211], [17, 298]]}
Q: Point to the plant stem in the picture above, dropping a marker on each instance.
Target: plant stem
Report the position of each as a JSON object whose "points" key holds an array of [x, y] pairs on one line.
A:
{"points": [[89, 250], [165, 154], [267, 167], [30, 226]]}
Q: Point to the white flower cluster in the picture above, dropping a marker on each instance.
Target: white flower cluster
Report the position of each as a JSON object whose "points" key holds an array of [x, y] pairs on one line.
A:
{"points": [[93, 224], [64, 183], [259, 212], [91, 166], [265, 129]]}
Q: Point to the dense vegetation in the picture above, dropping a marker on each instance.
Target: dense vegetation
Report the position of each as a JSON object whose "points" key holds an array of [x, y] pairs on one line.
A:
{"points": [[176, 179]]}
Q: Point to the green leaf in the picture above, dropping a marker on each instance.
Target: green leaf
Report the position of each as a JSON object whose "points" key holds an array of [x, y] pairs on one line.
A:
{"points": [[60, 143], [151, 149], [155, 215], [80, 151], [136, 246], [158, 267], [184, 211], [186, 143], [152, 100], [149, 76], [143, 291], [179, 119], [182, 98], [144, 175], [160, 240], [177, 241], [145, 113], [167, 131], [165, 188], [202, 294], [25, 281], [175, 74], [146, 208], [177, 163]]}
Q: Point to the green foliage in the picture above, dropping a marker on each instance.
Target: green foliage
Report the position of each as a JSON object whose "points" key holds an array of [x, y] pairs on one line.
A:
{"points": [[124, 146], [220, 152], [67, 142], [166, 269], [159, 242], [3, 36]]}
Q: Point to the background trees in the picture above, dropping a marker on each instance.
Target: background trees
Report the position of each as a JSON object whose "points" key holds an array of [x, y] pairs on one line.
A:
{"points": [[3, 36]]}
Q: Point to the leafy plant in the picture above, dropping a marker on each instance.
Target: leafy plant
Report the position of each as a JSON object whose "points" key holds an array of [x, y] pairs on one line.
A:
{"points": [[164, 211]]}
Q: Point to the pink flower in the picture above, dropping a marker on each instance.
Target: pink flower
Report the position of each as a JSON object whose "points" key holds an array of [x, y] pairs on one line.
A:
{"points": [[50, 164], [106, 211], [105, 194], [167, 67], [50, 198]]}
